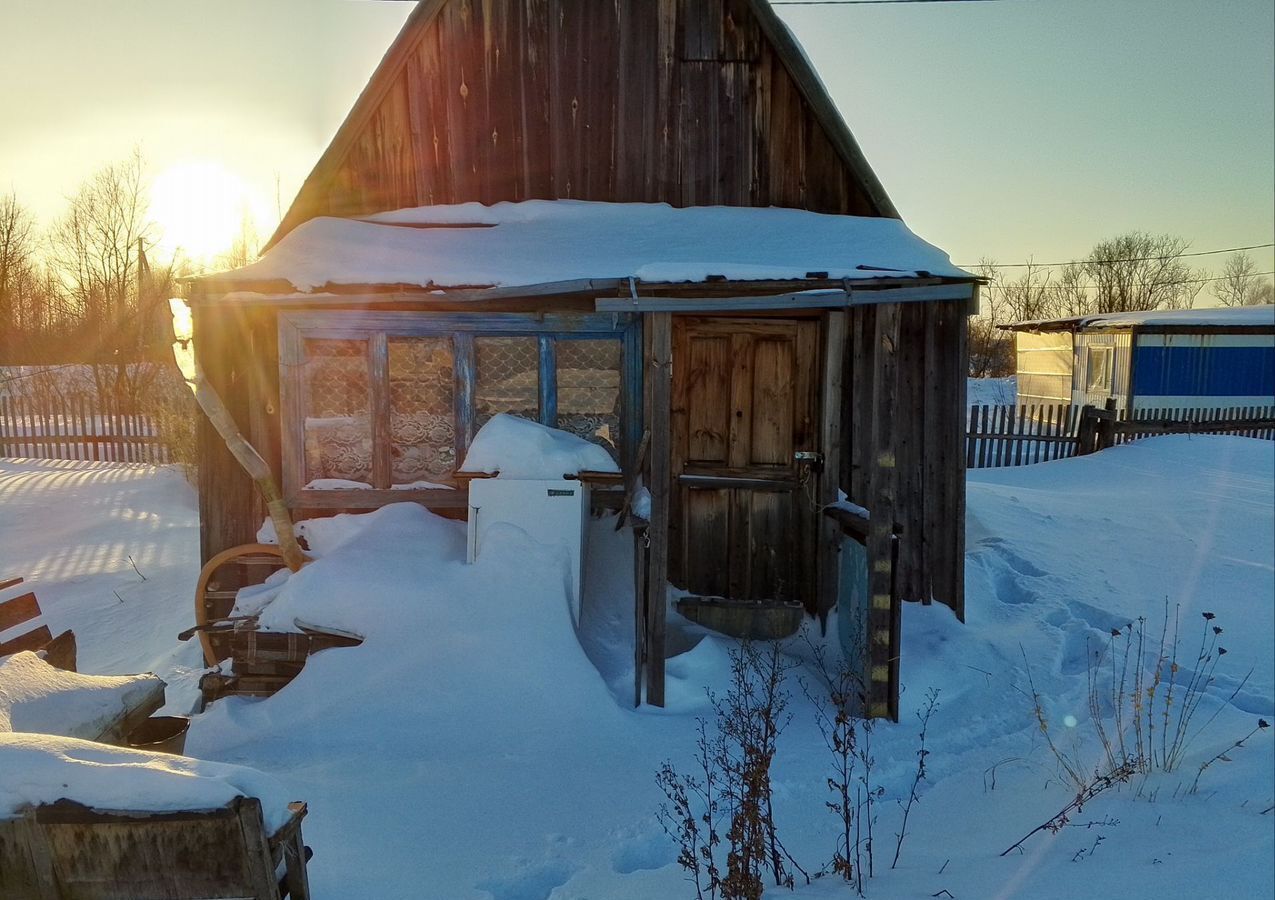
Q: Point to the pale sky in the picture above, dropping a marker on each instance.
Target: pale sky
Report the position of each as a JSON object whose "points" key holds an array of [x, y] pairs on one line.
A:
{"points": [[1005, 129]]}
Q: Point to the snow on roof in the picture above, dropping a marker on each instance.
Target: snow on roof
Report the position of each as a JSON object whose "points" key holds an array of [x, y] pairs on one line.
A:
{"points": [[42, 768], [545, 241], [1220, 316]]}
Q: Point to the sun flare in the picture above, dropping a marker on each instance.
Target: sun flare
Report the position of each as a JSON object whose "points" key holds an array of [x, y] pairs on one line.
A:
{"points": [[201, 207]]}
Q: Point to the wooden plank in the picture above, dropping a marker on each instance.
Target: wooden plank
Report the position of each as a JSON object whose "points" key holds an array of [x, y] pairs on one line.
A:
{"points": [[378, 363], [32, 640], [830, 445], [983, 439], [704, 396], [880, 530], [6, 583], [660, 486], [18, 610], [548, 381], [911, 574], [640, 599], [815, 299], [971, 438], [952, 291], [4, 427], [26, 871]]}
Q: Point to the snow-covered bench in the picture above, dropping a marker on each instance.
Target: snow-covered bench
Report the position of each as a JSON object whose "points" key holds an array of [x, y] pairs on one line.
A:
{"points": [[36, 697]]}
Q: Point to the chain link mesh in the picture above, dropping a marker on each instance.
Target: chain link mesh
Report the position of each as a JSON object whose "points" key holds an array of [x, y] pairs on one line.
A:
{"points": [[338, 435], [507, 378], [422, 411], [589, 378]]}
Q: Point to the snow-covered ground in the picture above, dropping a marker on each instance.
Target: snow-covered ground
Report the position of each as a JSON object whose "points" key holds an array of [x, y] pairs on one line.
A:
{"points": [[992, 391], [474, 746]]}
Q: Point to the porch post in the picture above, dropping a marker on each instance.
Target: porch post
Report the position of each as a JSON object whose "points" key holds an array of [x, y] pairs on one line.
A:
{"points": [[658, 420], [883, 697], [829, 537]]}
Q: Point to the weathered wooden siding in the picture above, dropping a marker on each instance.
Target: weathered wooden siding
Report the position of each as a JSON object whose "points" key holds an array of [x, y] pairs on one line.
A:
{"points": [[237, 351], [926, 440], [678, 101]]}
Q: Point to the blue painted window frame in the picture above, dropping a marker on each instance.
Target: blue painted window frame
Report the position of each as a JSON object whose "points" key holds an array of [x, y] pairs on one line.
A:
{"points": [[377, 327]]}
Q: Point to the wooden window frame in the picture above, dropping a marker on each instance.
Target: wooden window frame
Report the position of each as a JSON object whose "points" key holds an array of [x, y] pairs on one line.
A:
{"points": [[378, 327], [1104, 383]]}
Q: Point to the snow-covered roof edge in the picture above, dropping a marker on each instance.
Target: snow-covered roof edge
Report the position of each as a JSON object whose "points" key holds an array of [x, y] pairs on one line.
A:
{"points": [[547, 242], [1256, 317]]}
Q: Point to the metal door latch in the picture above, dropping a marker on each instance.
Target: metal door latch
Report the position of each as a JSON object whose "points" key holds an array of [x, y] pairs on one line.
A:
{"points": [[809, 458]]}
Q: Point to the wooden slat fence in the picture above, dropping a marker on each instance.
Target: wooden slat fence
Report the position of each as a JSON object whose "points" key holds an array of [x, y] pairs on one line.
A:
{"points": [[79, 429], [1246, 421], [1019, 435], [1000, 436]]}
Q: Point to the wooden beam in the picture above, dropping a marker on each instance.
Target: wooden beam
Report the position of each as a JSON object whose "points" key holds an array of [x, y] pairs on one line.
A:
{"points": [[379, 403], [658, 420], [813, 299], [829, 541], [860, 290], [800, 300], [882, 701], [963, 290], [364, 498]]}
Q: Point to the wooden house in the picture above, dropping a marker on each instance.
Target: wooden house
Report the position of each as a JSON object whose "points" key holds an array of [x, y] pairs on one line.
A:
{"points": [[1206, 359], [622, 219]]}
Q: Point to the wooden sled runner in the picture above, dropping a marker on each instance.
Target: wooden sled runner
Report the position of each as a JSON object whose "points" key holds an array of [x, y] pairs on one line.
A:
{"points": [[263, 662]]}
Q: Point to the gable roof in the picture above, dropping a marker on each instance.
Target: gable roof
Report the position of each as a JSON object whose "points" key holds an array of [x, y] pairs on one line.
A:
{"points": [[312, 198]]}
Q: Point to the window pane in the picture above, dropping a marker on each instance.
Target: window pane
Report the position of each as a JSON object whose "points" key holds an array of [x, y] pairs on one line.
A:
{"points": [[338, 433], [1098, 376], [422, 414], [589, 390], [507, 378]]}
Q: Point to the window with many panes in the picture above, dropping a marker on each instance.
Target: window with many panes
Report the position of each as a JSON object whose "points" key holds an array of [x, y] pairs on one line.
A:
{"points": [[388, 402]]}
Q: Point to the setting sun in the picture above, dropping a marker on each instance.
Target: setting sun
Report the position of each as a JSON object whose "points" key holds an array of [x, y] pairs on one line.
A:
{"points": [[201, 207]]}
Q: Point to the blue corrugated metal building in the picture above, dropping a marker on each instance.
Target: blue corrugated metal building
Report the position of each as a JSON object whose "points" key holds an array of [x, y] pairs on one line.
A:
{"points": [[1161, 359]]}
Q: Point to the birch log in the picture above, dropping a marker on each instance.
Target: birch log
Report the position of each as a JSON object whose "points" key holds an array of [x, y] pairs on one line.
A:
{"points": [[248, 457]]}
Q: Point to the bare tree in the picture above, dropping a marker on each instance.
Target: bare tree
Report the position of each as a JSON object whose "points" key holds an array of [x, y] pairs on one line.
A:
{"points": [[1071, 292], [989, 352], [98, 251], [1005, 300], [1240, 284], [1139, 271], [246, 246], [33, 317], [17, 266]]}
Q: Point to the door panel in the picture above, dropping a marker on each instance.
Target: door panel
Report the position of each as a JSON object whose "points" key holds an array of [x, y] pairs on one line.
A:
{"points": [[743, 405], [771, 442], [707, 516], [708, 381]]}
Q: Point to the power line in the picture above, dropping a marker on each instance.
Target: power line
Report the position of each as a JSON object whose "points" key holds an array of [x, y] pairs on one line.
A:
{"points": [[864, 2], [1104, 262], [1159, 284]]}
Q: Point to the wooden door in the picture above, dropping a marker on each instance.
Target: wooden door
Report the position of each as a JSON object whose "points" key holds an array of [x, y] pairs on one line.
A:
{"points": [[743, 511]]}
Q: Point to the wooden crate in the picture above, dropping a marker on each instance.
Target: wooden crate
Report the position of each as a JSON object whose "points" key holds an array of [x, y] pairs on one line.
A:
{"points": [[66, 850]]}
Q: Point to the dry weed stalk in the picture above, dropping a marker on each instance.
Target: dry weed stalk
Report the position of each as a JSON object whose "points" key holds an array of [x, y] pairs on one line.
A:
{"points": [[733, 787]]}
